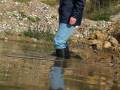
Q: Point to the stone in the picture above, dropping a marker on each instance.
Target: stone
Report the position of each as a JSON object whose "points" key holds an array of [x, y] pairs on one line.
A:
{"points": [[119, 48], [107, 44], [113, 41], [97, 43], [34, 40], [6, 39], [100, 36]]}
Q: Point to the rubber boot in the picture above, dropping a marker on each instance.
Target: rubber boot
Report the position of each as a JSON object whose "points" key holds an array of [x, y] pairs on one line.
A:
{"points": [[62, 57]]}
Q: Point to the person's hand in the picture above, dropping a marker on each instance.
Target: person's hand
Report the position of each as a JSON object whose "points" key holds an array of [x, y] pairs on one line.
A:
{"points": [[72, 21]]}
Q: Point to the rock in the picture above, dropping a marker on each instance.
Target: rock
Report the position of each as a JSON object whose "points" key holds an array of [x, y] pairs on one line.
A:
{"points": [[92, 42], [113, 41], [102, 83], [5, 39], [100, 36], [96, 43], [119, 48], [99, 46], [34, 40], [107, 44], [103, 78]]}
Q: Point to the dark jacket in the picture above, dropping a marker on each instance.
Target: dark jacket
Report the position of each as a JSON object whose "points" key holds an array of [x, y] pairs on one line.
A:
{"points": [[71, 8]]}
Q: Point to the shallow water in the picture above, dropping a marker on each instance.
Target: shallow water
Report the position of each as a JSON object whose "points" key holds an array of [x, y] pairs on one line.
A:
{"points": [[25, 66]]}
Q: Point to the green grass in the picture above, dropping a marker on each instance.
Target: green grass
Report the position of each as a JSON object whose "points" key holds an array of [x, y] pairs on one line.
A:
{"points": [[50, 2], [99, 16], [22, 1], [47, 36]]}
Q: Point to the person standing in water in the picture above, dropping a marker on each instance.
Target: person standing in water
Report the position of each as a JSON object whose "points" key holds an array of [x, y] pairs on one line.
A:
{"points": [[70, 16]]}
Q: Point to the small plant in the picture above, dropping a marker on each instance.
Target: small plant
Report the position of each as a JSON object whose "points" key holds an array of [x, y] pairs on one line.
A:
{"points": [[44, 35], [47, 36], [22, 1], [22, 14], [104, 16], [33, 18], [50, 2]]}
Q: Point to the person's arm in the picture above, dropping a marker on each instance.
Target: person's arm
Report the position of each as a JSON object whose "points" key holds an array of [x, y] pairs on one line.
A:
{"points": [[77, 11]]}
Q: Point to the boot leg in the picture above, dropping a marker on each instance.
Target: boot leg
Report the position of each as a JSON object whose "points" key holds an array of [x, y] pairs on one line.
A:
{"points": [[63, 53], [62, 57]]}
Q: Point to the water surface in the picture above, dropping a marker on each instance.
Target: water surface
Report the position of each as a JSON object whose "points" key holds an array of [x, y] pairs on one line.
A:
{"points": [[25, 66]]}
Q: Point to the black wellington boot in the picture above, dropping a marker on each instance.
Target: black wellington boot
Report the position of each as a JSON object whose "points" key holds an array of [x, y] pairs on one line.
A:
{"points": [[62, 56]]}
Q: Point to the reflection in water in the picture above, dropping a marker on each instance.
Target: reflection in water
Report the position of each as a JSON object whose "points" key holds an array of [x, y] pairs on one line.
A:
{"points": [[25, 66]]}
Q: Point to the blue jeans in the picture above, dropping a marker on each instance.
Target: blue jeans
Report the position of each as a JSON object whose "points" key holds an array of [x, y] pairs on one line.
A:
{"points": [[63, 34], [56, 74]]}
